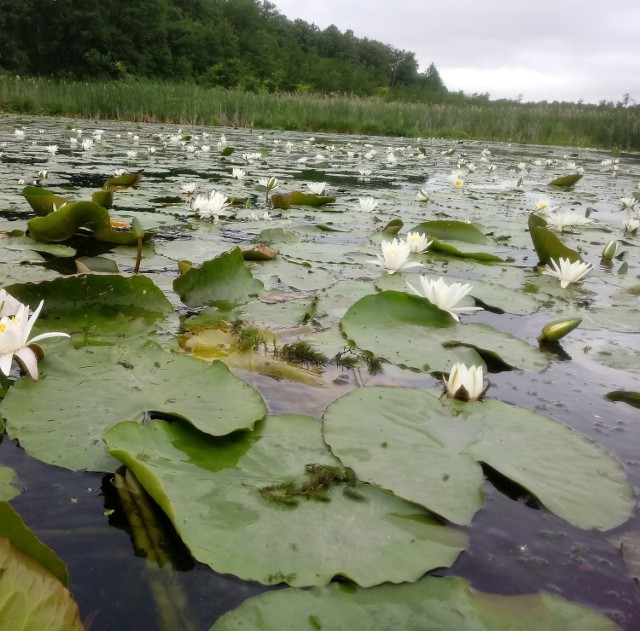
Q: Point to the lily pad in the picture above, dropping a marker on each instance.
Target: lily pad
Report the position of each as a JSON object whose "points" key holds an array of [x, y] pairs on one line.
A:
{"points": [[428, 450], [547, 245], [408, 330], [630, 398], [231, 499], [566, 181], [449, 230], [64, 223], [436, 604], [83, 392], [42, 200], [222, 282], [32, 596], [7, 491]]}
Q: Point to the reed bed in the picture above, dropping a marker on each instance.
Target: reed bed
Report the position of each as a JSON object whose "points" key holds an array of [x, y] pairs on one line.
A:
{"points": [[146, 100]]}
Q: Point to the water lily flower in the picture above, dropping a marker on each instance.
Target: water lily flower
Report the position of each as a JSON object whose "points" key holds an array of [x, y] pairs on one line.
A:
{"points": [[418, 241], [395, 256], [561, 221], [422, 195], [15, 342], [317, 187], [567, 272], [131, 154], [52, 149], [464, 383], [456, 179], [631, 226], [8, 304], [210, 206], [19, 133], [238, 174], [87, 144], [444, 296], [543, 206], [364, 172], [119, 172], [368, 204], [610, 250], [265, 216], [43, 174], [268, 182], [189, 188], [628, 202]]}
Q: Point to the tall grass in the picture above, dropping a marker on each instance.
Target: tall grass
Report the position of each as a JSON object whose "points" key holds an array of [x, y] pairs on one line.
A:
{"points": [[153, 101]]}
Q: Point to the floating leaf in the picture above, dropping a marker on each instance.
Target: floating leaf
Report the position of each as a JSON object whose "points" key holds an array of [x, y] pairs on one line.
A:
{"points": [[393, 227], [83, 392], [259, 252], [103, 197], [124, 181], [428, 450], [7, 490], [281, 200], [42, 200], [408, 330], [455, 250], [631, 398], [96, 264], [547, 245], [64, 223], [566, 181], [223, 282], [231, 499], [436, 604], [300, 198], [452, 230]]}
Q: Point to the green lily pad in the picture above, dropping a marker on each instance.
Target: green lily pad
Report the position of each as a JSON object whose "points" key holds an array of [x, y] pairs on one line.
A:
{"points": [[7, 490], [21, 244], [231, 499], [410, 331], [107, 294], [64, 223], [300, 198], [32, 581], [460, 250], [124, 181], [547, 245], [224, 282], [428, 450], [631, 398], [84, 392], [566, 181], [436, 604], [449, 230], [103, 197], [42, 200]]}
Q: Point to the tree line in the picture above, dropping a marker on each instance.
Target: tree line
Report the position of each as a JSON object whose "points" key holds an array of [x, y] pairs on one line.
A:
{"points": [[241, 44]]}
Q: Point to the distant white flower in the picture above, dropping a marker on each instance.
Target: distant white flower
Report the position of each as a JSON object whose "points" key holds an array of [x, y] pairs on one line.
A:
{"points": [[15, 343], [288, 147], [521, 166], [464, 383], [189, 188], [205, 148], [302, 160], [119, 172], [238, 174], [543, 206], [268, 182], [628, 202], [561, 221], [455, 178], [151, 150], [491, 168], [43, 174], [364, 172], [317, 187], [391, 158], [422, 195], [368, 204], [566, 271], [631, 226], [52, 149], [131, 154], [19, 133], [73, 141], [210, 206], [87, 144], [395, 256], [265, 216], [418, 242], [444, 296]]}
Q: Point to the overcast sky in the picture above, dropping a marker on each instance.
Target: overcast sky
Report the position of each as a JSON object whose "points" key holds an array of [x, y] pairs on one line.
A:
{"points": [[542, 49]]}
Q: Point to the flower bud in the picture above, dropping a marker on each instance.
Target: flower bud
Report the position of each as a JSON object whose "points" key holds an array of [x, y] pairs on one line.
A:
{"points": [[610, 250], [556, 330]]}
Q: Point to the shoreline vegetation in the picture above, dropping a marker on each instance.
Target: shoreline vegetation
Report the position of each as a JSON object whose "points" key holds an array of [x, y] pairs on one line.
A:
{"points": [[603, 126]]}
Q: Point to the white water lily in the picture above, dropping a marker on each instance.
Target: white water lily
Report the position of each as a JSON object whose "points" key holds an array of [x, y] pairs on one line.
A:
{"points": [[567, 272], [364, 172], [422, 195], [317, 187], [464, 383], [189, 188], [265, 216], [210, 206], [395, 256], [238, 174], [561, 221], [543, 206], [368, 204], [444, 296], [8, 304], [418, 241], [628, 202], [15, 342], [456, 179], [52, 149], [268, 182], [87, 144], [631, 226]]}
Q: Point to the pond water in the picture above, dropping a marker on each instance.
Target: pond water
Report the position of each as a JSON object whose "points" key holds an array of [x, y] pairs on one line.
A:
{"points": [[515, 544]]}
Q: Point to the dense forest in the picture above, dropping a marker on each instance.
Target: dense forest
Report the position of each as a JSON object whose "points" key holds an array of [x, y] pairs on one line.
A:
{"points": [[244, 44]]}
